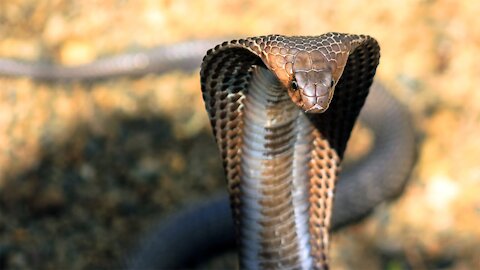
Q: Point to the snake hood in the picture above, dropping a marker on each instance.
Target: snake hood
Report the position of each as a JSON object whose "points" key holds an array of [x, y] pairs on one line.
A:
{"points": [[281, 165]]}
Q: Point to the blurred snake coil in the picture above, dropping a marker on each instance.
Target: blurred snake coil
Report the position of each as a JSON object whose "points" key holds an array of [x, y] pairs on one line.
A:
{"points": [[281, 110]]}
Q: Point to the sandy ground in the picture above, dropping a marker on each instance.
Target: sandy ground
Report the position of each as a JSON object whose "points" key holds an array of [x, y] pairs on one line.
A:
{"points": [[85, 168]]}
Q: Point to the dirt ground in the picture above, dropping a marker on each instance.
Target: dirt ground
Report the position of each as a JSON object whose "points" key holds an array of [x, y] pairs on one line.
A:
{"points": [[86, 168]]}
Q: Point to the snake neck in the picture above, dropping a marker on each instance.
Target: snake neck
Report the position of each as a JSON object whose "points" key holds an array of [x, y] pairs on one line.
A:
{"points": [[285, 203]]}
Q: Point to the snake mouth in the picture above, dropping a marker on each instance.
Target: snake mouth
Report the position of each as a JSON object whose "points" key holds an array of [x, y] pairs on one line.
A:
{"points": [[316, 104], [316, 108]]}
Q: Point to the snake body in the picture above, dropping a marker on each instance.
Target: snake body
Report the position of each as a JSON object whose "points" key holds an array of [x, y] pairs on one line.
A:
{"points": [[282, 135], [184, 56], [281, 163]]}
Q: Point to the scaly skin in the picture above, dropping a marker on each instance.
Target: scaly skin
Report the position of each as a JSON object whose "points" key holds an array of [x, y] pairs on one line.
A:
{"points": [[281, 110]]}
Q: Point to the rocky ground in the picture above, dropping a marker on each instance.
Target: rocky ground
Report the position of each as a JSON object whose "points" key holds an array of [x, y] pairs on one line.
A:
{"points": [[86, 168]]}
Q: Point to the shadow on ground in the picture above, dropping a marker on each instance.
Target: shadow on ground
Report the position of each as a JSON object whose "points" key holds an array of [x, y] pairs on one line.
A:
{"points": [[87, 200]]}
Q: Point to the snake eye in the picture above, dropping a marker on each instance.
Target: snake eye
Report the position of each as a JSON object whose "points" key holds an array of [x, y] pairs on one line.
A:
{"points": [[332, 84], [294, 85]]}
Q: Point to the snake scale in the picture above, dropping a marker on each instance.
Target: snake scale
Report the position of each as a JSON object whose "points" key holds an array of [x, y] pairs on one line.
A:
{"points": [[281, 110]]}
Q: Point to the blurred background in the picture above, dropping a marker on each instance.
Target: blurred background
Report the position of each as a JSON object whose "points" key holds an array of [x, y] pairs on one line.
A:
{"points": [[87, 168]]}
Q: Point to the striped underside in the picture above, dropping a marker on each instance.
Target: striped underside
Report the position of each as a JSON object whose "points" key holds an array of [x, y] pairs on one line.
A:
{"points": [[281, 164]]}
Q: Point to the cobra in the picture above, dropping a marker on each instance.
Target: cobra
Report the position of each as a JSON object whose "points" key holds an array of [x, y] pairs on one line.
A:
{"points": [[282, 134], [281, 110]]}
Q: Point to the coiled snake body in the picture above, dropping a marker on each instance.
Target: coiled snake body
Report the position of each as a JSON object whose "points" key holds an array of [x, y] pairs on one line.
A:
{"points": [[282, 110]]}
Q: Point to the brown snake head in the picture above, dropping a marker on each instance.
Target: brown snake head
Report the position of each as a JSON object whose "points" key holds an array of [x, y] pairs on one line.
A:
{"points": [[308, 67], [312, 84]]}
